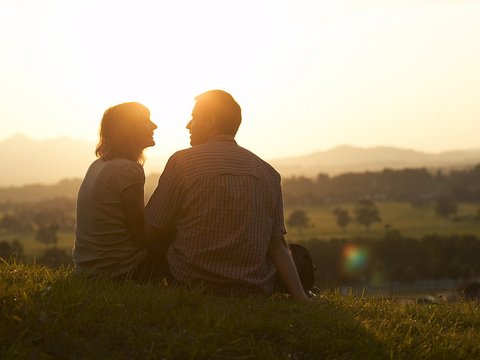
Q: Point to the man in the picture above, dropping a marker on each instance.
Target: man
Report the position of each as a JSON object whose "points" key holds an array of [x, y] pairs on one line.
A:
{"points": [[220, 208]]}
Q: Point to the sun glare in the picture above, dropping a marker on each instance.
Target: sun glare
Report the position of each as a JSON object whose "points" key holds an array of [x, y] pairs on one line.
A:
{"points": [[164, 62], [325, 67]]}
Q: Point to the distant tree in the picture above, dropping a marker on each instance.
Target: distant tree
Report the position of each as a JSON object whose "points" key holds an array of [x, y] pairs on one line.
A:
{"points": [[46, 217], [12, 223], [11, 249], [47, 235], [298, 219], [366, 213], [17, 248], [342, 217], [323, 179], [5, 249], [445, 206]]}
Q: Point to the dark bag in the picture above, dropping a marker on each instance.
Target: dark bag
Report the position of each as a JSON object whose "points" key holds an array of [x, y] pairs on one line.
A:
{"points": [[304, 264]]}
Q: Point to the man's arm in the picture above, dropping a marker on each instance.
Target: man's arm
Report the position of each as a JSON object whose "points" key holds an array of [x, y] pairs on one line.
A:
{"points": [[280, 256], [279, 253]]}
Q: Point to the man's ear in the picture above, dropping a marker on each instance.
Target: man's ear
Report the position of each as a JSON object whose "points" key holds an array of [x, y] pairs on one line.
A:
{"points": [[211, 122]]}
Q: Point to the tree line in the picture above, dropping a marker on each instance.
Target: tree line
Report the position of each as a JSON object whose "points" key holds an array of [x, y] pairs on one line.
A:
{"points": [[365, 212], [43, 218], [394, 257], [417, 186], [21, 217]]}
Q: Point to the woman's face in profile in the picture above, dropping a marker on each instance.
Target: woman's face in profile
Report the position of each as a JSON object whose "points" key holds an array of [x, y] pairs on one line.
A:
{"points": [[145, 130]]}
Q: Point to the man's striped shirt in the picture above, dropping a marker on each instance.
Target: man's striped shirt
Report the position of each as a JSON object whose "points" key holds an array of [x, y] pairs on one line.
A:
{"points": [[223, 204]]}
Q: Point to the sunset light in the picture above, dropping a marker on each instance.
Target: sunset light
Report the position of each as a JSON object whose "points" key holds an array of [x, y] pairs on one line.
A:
{"points": [[254, 179], [317, 73]]}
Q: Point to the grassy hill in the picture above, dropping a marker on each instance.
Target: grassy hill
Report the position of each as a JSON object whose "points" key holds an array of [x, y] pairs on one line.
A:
{"points": [[52, 314]]}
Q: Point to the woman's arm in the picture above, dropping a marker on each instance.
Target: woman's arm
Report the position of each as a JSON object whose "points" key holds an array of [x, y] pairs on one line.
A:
{"points": [[133, 203], [279, 254]]}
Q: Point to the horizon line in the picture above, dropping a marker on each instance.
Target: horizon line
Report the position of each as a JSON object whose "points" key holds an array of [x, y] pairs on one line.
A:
{"points": [[322, 150]]}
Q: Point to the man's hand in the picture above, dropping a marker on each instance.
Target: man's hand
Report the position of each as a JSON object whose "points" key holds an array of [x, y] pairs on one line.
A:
{"points": [[282, 259]]}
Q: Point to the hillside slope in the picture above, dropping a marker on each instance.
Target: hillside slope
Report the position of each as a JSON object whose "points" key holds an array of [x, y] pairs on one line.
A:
{"points": [[53, 314]]}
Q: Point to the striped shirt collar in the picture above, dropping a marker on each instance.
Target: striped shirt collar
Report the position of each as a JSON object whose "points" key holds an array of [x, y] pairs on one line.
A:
{"points": [[228, 138]]}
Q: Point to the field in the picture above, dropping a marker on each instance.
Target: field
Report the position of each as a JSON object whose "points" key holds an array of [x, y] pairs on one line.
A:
{"points": [[32, 248], [409, 220], [52, 314]]}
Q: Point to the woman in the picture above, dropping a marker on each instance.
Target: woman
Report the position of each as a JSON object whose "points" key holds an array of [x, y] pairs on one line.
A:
{"points": [[109, 230]]}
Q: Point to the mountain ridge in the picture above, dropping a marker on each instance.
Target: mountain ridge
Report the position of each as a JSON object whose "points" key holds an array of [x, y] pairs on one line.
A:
{"points": [[29, 161], [347, 158]]}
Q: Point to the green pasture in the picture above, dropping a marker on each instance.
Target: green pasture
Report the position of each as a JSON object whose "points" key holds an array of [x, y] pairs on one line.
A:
{"points": [[32, 248], [409, 220]]}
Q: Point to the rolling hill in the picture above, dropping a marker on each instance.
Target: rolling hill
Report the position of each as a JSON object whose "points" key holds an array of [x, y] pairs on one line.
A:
{"points": [[343, 159], [27, 161]]}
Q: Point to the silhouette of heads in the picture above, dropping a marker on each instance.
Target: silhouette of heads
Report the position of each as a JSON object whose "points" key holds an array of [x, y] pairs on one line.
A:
{"points": [[215, 113], [125, 131]]}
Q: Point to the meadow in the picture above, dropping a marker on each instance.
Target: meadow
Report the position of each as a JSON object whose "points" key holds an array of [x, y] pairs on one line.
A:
{"points": [[32, 248], [53, 314], [409, 220]]}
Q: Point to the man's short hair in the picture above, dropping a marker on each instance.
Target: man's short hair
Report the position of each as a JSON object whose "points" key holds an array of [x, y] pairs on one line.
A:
{"points": [[223, 106]]}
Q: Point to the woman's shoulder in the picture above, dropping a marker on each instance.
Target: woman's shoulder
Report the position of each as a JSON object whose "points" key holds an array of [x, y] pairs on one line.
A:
{"points": [[121, 162], [120, 172], [125, 166]]}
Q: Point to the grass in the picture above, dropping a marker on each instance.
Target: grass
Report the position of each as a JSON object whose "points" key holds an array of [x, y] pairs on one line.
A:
{"points": [[53, 314], [410, 221]]}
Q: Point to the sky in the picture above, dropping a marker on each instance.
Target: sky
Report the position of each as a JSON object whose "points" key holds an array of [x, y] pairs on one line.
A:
{"points": [[309, 74]]}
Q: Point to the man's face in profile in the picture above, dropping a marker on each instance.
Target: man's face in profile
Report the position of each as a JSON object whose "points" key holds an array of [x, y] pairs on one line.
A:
{"points": [[200, 126]]}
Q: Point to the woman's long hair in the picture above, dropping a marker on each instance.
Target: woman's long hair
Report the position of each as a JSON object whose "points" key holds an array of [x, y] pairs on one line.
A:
{"points": [[118, 132]]}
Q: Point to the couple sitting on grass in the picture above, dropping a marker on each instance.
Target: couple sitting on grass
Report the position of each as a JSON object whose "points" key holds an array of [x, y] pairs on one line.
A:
{"points": [[215, 219]]}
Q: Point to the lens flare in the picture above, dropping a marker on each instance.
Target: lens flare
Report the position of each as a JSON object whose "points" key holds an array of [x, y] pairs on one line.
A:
{"points": [[354, 257]]}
